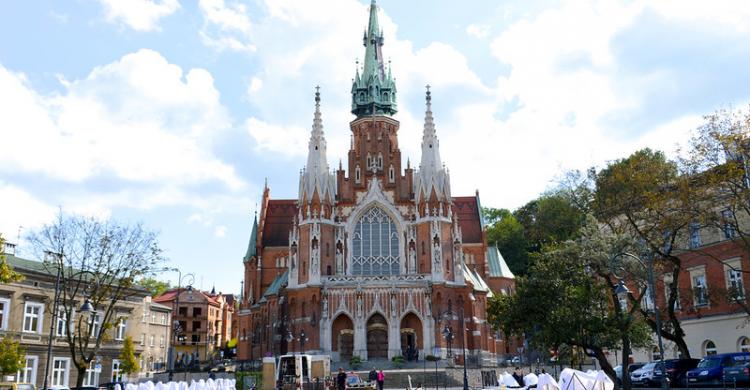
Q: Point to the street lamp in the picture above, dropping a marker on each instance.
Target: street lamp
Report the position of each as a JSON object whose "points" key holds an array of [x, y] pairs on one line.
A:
{"points": [[302, 339], [289, 337], [190, 278], [449, 314], [622, 290]]}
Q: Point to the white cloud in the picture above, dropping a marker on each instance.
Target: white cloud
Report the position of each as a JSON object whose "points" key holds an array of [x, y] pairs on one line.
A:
{"points": [[138, 119], [220, 231], [287, 140], [140, 15], [20, 208], [226, 26], [478, 31], [255, 85]]}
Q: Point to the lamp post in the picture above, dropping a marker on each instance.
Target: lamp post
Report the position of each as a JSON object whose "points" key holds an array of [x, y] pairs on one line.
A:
{"points": [[59, 258], [302, 339], [622, 289], [448, 314]]}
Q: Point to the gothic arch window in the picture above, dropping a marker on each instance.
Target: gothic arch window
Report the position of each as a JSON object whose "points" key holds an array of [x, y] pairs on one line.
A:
{"points": [[375, 245], [356, 174], [380, 160], [391, 174]]}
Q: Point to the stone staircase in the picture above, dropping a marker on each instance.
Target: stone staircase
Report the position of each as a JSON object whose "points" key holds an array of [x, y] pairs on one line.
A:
{"points": [[429, 378]]}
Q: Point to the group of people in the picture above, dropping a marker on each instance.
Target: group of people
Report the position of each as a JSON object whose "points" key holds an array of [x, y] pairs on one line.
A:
{"points": [[376, 376]]}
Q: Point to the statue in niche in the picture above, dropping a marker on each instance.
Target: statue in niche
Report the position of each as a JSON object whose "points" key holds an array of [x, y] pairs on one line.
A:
{"points": [[360, 309], [325, 306], [412, 258], [339, 259], [393, 304], [436, 250]]}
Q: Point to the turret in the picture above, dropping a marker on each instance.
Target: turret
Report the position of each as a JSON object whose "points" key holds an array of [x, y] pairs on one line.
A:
{"points": [[374, 92], [317, 188], [432, 182]]}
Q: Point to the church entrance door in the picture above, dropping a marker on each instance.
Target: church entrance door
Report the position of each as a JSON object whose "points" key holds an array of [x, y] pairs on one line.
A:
{"points": [[377, 337]]}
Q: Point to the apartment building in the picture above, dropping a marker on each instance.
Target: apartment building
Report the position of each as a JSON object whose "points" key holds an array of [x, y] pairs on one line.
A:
{"points": [[26, 315], [200, 327]]}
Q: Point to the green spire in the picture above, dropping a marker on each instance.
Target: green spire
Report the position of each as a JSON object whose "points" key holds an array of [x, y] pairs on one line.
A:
{"points": [[374, 91], [251, 248]]}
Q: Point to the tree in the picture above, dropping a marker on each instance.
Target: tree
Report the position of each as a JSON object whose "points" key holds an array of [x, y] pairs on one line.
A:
{"points": [[549, 219], [12, 356], [99, 261], [155, 286], [7, 275], [128, 360], [569, 298], [505, 232], [644, 197]]}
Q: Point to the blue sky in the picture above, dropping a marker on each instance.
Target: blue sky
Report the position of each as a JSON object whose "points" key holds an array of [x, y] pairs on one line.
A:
{"points": [[173, 112]]}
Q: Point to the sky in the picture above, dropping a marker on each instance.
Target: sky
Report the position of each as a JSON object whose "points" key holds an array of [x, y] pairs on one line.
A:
{"points": [[173, 113]]}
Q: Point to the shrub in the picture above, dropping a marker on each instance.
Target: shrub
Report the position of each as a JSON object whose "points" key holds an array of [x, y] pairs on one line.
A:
{"points": [[432, 358], [398, 361], [355, 362]]}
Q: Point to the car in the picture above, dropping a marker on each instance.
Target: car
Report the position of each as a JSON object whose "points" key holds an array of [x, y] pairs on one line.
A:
{"points": [[676, 369], [111, 385], [516, 360], [353, 381], [739, 374], [16, 386], [710, 370], [631, 367], [644, 375]]}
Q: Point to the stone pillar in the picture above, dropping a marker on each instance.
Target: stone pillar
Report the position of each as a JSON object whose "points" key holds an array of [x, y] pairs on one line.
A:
{"points": [[360, 338], [394, 338], [325, 335], [428, 334]]}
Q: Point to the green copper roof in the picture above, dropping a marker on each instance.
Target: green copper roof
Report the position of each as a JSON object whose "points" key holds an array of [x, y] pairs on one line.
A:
{"points": [[251, 247], [498, 266], [28, 265], [275, 286], [374, 91]]}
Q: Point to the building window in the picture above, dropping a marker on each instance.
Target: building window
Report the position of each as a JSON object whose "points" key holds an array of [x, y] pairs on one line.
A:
{"points": [[116, 371], [375, 245], [728, 218], [63, 325], [391, 174], [695, 235], [28, 373], [197, 312], [95, 321], [161, 341], [647, 300], [121, 326], [701, 292], [145, 316], [182, 311], [196, 325], [143, 338], [667, 283], [196, 338], [667, 237], [743, 344], [153, 317], [4, 313], [735, 287], [163, 319], [92, 374], [357, 175], [60, 371], [33, 314], [655, 355], [151, 341], [709, 348]]}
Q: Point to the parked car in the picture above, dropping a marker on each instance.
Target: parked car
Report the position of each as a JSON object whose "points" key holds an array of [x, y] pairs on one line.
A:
{"points": [[353, 381], [676, 370], [738, 374], [631, 367], [710, 370], [16, 386], [643, 376], [111, 385]]}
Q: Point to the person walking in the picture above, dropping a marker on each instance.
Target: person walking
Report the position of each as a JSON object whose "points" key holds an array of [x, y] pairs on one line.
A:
{"points": [[373, 375], [341, 379], [381, 379]]}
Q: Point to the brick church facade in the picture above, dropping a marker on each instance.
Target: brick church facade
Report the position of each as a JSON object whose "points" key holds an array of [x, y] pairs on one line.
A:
{"points": [[373, 259]]}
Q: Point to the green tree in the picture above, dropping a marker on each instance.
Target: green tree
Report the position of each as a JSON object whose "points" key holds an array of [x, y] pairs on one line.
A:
{"points": [[549, 219], [644, 197], [12, 356], [99, 260], [568, 298], [7, 275], [505, 232], [155, 286], [128, 361]]}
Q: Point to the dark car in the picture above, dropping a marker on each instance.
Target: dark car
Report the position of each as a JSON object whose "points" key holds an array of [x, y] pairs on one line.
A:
{"points": [[676, 371], [739, 374], [710, 370]]}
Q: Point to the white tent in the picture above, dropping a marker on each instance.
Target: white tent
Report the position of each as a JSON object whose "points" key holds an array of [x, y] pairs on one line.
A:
{"points": [[547, 382], [577, 380], [530, 379]]}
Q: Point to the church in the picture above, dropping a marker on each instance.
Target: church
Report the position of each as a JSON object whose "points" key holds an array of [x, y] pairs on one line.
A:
{"points": [[372, 259]]}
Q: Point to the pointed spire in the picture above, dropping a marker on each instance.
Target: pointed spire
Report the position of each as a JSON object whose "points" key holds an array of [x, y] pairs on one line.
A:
{"points": [[430, 143], [251, 248], [316, 174]]}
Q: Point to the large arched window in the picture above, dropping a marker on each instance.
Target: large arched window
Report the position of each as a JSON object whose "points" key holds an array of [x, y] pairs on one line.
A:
{"points": [[375, 245]]}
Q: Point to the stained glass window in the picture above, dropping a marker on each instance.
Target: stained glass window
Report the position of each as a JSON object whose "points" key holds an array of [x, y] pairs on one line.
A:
{"points": [[375, 245]]}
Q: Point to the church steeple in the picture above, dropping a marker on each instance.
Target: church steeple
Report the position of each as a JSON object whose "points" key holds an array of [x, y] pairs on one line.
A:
{"points": [[432, 177], [316, 178], [430, 143], [374, 92]]}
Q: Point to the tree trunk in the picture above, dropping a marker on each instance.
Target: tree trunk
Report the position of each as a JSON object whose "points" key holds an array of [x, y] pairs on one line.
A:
{"points": [[625, 363], [81, 375], [604, 363]]}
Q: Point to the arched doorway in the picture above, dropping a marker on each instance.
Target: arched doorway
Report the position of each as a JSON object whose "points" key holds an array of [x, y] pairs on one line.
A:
{"points": [[411, 336], [342, 337], [377, 337]]}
